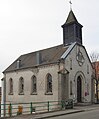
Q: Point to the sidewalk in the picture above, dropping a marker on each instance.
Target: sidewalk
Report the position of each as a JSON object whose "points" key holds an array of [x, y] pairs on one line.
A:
{"points": [[76, 109]]}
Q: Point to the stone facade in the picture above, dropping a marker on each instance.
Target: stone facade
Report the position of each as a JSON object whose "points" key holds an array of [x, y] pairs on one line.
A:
{"points": [[84, 71], [27, 74], [60, 80], [96, 78]]}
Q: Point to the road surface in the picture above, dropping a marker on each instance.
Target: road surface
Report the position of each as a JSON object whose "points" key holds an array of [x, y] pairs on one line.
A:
{"points": [[93, 114]]}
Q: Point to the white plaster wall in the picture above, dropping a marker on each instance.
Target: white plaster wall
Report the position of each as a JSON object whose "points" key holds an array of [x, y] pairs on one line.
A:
{"points": [[27, 74], [76, 68], [41, 76]]}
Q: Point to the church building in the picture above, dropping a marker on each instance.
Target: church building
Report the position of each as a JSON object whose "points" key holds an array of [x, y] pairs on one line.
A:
{"points": [[53, 74]]}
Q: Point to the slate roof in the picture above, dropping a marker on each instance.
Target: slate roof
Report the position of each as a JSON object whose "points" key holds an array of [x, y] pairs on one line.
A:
{"points": [[71, 18], [46, 56], [41, 57]]}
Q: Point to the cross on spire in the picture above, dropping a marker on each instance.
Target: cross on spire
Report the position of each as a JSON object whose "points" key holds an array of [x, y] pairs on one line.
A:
{"points": [[70, 5]]}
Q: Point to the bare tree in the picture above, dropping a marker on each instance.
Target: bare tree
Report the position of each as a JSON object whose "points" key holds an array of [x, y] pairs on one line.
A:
{"points": [[94, 58]]}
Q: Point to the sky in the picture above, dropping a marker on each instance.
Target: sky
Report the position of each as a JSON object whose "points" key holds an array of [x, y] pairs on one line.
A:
{"points": [[31, 25]]}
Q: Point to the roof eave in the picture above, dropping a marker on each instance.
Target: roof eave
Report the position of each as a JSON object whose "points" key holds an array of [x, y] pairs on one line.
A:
{"points": [[31, 67]]}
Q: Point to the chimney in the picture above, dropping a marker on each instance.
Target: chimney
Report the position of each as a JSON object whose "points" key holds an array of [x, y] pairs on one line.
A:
{"points": [[18, 64], [38, 58]]}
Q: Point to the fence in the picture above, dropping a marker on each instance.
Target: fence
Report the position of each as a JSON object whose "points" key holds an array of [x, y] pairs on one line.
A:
{"points": [[14, 109]]}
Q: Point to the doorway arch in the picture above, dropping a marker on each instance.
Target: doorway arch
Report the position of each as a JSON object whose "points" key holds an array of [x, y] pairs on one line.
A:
{"points": [[79, 81]]}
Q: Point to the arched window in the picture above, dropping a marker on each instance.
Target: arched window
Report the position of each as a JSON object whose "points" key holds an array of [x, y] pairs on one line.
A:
{"points": [[21, 85], [33, 85], [10, 86], [87, 89], [71, 88], [49, 83], [87, 69], [70, 64]]}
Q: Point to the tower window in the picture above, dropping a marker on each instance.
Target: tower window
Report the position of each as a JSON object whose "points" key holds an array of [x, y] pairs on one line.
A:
{"points": [[70, 30], [66, 32], [77, 31]]}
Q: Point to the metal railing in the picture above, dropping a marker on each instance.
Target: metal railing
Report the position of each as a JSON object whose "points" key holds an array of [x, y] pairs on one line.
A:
{"points": [[13, 109]]}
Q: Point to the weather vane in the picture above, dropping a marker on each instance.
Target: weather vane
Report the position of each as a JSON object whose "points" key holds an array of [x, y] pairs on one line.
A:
{"points": [[70, 5]]}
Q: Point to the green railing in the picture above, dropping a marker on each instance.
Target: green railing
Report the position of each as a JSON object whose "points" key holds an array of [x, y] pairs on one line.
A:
{"points": [[13, 109]]}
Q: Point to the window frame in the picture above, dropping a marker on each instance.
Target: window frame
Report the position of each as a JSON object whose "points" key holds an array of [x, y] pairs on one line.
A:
{"points": [[34, 85], [49, 84], [71, 88], [10, 86], [21, 86]]}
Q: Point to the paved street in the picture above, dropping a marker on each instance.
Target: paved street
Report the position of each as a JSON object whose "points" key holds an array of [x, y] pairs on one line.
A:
{"points": [[93, 114]]}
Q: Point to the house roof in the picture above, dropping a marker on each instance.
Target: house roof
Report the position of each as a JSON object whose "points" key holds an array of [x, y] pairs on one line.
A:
{"points": [[41, 57]]}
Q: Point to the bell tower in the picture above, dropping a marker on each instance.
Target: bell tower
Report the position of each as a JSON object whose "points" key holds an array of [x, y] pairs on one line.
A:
{"points": [[72, 30]]}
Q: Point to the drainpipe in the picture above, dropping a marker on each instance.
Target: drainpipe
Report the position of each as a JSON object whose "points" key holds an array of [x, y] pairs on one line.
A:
{"points": [[2, 98]]}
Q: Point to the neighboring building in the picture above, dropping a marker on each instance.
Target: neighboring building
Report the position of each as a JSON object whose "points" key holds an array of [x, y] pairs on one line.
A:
{"points": [[96, 67], [0, 93], [53, 74], [96, 75]]}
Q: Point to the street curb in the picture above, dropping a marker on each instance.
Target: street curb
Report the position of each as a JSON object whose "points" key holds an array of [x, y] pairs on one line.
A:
{"points": [[77, 111], [59, 114]]}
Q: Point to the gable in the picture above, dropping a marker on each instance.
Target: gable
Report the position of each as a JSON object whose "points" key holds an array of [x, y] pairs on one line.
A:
{"points": [[78, 55]]}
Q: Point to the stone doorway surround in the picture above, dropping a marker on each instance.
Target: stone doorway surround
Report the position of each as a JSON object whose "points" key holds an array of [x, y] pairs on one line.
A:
{"points": [[79, 87]]}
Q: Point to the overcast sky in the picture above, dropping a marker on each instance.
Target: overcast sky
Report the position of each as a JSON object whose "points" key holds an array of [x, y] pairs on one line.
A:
{"points": [[31, 25]]}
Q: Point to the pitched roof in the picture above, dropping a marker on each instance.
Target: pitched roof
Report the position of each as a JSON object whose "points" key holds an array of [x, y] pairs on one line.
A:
{"points": [[46, 56], [71, 18]]}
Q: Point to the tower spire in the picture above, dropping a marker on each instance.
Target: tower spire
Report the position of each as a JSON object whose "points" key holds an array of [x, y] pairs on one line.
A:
{"points": [[72, 30]]}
